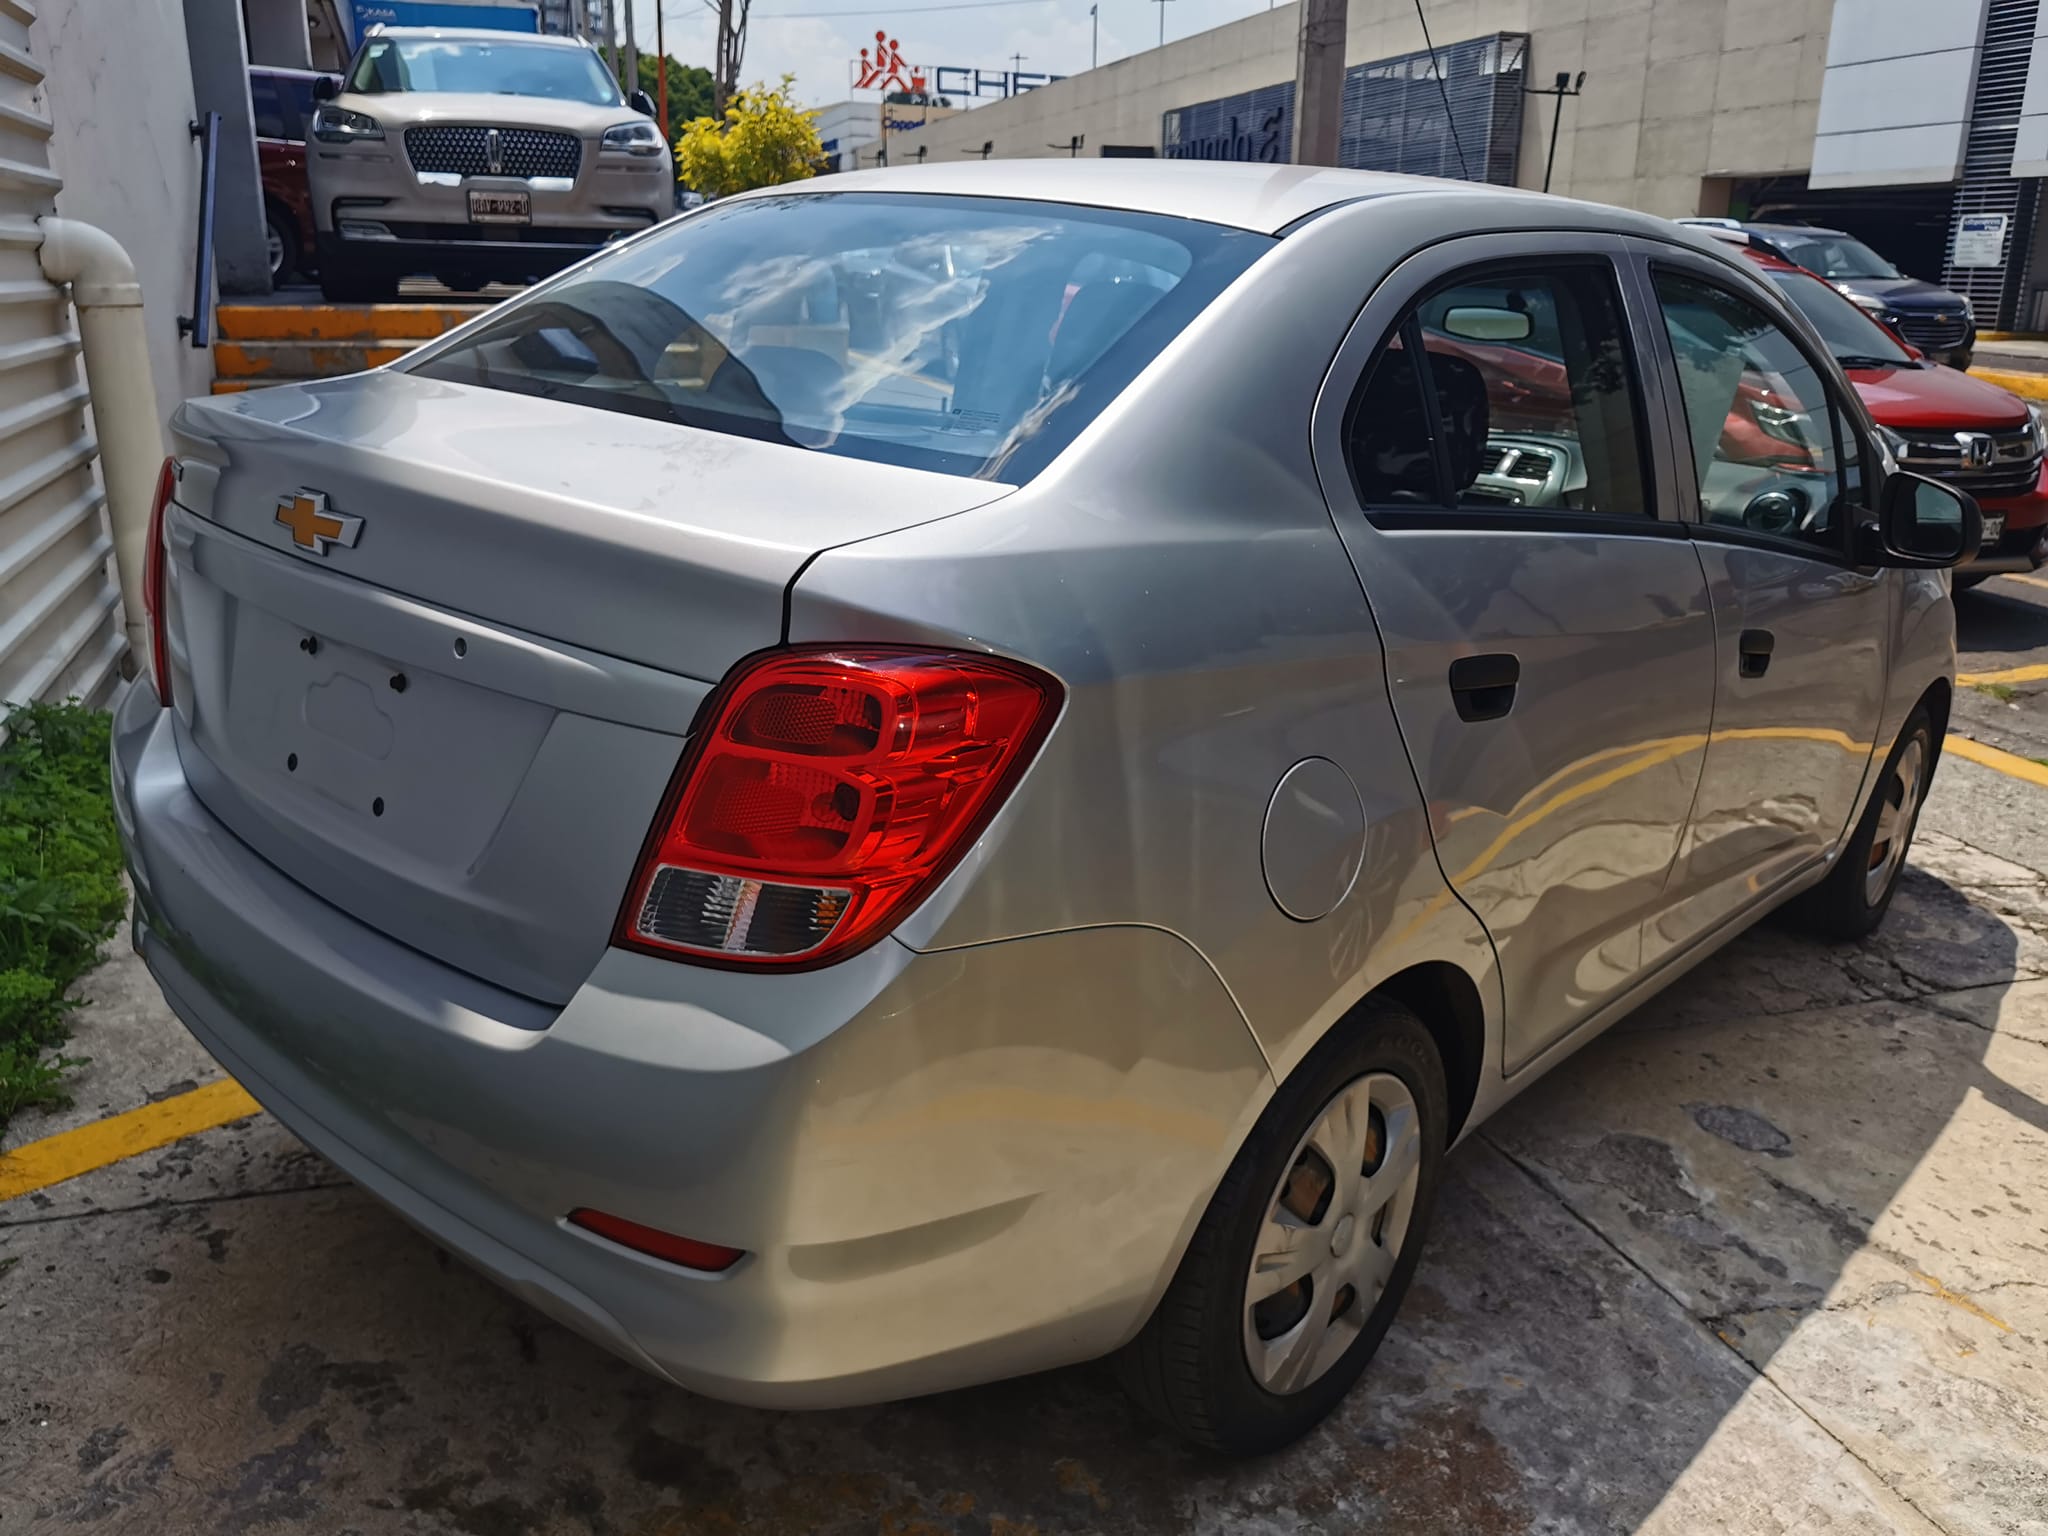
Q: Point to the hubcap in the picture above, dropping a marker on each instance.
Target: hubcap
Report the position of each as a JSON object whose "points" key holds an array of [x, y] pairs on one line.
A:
{"points": [[274, 242], [1899, 801], [1332, 1234]]}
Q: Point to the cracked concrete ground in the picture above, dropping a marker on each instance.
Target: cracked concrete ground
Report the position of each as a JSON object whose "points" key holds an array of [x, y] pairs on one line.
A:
{"points": [[1772, 1256]]}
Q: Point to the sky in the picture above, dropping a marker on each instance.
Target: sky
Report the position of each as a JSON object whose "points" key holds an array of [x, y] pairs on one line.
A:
{"points": [[816, 40]]}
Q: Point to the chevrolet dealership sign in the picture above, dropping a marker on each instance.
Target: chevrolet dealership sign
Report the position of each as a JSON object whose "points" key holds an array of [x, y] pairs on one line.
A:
{"points": [[883, 69]]}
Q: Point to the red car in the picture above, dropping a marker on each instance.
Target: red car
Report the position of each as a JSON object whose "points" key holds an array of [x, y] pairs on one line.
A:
{"points": [[282, 100], [1936, 422]]}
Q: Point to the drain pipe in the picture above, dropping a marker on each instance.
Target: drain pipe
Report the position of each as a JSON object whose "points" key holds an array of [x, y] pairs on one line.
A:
{"points": [[116, 344]]}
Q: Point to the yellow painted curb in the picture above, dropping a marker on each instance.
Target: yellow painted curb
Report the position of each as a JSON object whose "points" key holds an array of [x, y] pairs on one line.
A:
{"points": [[2029, 386], [2003, 762], [2032, 674], [340, 322], [70, 1153], [256, 359]]}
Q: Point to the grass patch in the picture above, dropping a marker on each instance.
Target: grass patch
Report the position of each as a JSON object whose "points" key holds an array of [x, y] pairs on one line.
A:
{"points": [[60, 889], [2005, 693]]}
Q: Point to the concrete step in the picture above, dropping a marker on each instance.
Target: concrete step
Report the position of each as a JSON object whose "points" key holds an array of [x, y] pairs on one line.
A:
{"points": [[365, 323], [265, 361]]}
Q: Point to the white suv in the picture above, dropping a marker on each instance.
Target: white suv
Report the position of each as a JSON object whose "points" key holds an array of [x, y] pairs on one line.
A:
{"points": [[476, 156]]}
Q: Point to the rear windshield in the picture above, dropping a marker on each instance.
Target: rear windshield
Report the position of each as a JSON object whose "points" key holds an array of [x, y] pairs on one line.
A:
{"points": [[489, 68], [972, 336]]}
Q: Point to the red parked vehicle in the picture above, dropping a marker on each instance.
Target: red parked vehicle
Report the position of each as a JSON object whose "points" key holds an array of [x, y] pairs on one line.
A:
{"points": [[282, 101], [1937, 421]]}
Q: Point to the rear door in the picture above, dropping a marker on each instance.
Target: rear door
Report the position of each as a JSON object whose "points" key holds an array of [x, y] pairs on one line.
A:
{"points": [[1773, 485], [1487, 452]]}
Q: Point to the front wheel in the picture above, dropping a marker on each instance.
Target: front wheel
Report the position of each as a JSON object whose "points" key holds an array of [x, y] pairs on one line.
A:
{"points": [[1307, 1247], [1853, 899]]}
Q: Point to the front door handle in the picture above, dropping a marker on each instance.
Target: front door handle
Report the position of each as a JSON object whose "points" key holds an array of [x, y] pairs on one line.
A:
{"points": [[1755, 652], [1483, 687]]}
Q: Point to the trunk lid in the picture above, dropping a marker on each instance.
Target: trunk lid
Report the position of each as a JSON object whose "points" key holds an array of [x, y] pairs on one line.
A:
{"points": [[457, 722]]}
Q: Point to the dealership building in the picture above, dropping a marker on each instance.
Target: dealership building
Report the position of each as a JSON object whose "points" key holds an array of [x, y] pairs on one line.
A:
{"points": [[1905, 122]]}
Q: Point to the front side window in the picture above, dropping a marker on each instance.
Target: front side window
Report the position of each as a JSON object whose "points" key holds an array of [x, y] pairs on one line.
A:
{"points": [[966, 335], [1768, 446], [1504, 390], [510, 68]]}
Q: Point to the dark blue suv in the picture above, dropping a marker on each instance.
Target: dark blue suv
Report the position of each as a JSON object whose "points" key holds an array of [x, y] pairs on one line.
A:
{"points": [[1936, 321]]}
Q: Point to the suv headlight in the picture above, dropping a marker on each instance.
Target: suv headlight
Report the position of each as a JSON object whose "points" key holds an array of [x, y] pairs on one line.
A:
{"points": [[1868, 303], [1893, 444], [338, 125], [2037, 428], [1969, 309], [637, 138]]}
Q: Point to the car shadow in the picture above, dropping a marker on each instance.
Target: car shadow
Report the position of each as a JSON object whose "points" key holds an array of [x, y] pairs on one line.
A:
{"points": [[1993, 618], [1618, 1260]]}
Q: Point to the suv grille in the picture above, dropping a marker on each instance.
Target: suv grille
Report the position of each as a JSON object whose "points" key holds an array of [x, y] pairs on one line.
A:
{"points": [[465, 151], [2013, 470], [1934, 330]]}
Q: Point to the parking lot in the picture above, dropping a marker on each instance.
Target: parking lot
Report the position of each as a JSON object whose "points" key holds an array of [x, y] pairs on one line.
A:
{"points": [[1771, 1256]]}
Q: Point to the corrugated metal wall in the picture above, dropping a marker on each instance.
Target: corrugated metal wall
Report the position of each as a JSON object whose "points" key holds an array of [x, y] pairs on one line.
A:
{"points": [[60, 605]]}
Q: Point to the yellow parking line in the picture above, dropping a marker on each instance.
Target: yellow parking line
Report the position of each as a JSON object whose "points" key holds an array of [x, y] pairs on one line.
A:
{"points": [[2004, 762], [2032, 674], [66, 1155], [2032, 581]]}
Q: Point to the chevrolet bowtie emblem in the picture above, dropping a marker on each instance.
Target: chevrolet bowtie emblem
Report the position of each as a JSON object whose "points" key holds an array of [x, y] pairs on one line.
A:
{"points": [[314, 525]]}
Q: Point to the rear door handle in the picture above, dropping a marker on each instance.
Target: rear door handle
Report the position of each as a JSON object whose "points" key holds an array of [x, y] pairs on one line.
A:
{"points": [[1483, 687], [1755, 648]]}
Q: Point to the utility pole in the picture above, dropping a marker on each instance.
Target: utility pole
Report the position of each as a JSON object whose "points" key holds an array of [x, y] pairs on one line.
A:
{"points": [[611, 37], [1565, 86], [1162, 20], [661, 76], [632, 59], [1319, 82], [1094, 33]]}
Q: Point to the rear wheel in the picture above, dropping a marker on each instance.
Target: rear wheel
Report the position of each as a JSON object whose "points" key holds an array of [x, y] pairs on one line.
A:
{"points": [[281, 239], [1854, 897], [1307, 1247]]}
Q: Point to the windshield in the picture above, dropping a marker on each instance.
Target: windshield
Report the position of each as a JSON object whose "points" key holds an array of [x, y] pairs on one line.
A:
{"points": [[1835, 256], [510, 68], [967, 335], [1846, 329]]}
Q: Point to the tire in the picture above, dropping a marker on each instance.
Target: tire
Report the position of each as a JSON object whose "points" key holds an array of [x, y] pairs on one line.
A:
{"points": [[460, 282], [1854, 897], [346, 281], [1962, 360], [282, 237], [1191, 1366]]}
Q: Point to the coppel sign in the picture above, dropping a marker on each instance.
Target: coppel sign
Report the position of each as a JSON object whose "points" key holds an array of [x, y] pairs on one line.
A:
{"points": [[883, 69]]}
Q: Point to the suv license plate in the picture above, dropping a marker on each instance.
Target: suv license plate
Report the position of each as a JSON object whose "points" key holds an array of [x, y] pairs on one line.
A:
{"points": [[500, 208], [1994, 529]]}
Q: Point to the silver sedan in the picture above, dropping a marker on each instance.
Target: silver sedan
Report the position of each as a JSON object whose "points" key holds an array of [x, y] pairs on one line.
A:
{"points": [[911, 780]]}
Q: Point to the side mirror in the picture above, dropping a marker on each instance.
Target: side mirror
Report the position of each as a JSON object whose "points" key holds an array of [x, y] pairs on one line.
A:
{"points": [[1923, 524], [327, 87], [642, 103]]}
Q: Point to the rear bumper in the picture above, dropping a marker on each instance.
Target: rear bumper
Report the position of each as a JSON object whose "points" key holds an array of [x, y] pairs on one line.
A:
{"points": [[945, 1168], [489, 260]]}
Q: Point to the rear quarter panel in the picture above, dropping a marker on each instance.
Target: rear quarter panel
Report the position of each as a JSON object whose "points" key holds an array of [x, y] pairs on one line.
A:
{"points": [[1179, 570]]}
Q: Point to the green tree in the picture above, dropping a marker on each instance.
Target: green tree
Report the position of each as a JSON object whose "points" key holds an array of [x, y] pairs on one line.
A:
{"points": [[689, 88], [763, 140]]}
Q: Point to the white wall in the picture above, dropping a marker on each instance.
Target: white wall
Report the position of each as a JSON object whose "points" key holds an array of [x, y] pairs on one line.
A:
{"points": [[1895, 107], [60, 631], [1678, 93], [121, 99]]}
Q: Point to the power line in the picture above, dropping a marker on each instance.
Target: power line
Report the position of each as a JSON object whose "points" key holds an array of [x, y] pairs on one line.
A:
{"points": [[1436, 68]]}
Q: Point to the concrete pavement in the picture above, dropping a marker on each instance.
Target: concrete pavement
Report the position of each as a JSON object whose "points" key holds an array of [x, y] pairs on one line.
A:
{"points": [[1772, 1256]]}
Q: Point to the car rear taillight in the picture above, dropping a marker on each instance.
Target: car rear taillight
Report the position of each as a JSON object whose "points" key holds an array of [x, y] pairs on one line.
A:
{"points": [[826, 792], [153, 582], [713, 1258]]}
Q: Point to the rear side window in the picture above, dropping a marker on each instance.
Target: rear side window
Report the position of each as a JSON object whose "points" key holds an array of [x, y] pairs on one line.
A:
{"points": [[971, 336], [1505, 389], [270, 108]]}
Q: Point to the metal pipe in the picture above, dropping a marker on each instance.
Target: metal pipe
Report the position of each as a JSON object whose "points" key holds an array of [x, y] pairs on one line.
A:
{"points": [[124, 410], [199, 324]]}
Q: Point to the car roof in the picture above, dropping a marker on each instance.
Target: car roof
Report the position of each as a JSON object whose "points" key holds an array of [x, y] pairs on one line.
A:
{"points": [[477, 35], [1263, 198], [1796, 229]]}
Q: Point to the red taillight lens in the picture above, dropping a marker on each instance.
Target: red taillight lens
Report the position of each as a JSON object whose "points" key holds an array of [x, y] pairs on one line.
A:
{"points": [[827, 791], [686, 1251], [153, 582]]}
